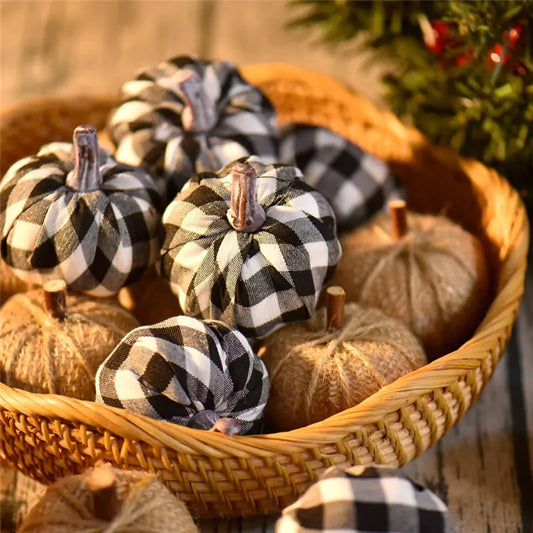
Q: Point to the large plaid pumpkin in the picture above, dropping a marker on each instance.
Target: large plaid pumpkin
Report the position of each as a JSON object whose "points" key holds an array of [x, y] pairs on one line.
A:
{"points": [[255, 280], [73, 212], [356, 184], [186, 371], [186, 116]]}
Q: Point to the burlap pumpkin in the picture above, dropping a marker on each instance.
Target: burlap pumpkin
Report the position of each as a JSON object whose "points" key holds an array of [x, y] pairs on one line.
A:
{"points": [[433, 278], [44, 354], [136, 502], [316, 371]]}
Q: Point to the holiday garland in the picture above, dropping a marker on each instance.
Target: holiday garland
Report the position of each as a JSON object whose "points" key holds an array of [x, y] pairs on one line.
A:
{"points": [[461, 71]]}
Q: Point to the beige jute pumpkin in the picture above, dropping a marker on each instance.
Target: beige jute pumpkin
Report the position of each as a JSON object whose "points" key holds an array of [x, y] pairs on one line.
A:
{"points": [[431, 274], [42, 353], [135, 502], [316, 371], [150, 300], [10, 284]]}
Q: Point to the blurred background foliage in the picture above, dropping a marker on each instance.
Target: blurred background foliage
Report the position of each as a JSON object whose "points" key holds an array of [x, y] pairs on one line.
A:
{"points": [[459, 71]]}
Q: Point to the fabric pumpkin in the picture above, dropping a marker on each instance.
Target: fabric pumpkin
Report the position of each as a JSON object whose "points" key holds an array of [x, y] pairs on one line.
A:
{"points": [[258, 276], [186, 116], [356, 184], [188, 372], [73, 212], [364, 499]]}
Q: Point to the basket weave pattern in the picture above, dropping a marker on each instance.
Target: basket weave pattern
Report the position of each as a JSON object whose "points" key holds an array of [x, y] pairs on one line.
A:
{"points": [[47, 436]]}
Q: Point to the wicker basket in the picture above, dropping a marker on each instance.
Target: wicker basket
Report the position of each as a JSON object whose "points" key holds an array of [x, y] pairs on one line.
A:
{"points": [[49, 436]]}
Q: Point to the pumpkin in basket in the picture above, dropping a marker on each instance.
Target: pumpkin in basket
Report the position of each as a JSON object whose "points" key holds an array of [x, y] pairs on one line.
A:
{"points": [[199, 374], [421, 269], [251, 245], [354, 182], [186, 116], [108, 499], [73, 212], [51, 342], [334, 361]]}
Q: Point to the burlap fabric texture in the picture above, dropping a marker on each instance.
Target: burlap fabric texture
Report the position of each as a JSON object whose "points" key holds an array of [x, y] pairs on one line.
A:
{"points": [[316, 372]]}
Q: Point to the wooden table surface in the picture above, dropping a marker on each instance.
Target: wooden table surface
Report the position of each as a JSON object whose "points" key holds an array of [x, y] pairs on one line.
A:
{"points": [[483, 467]]}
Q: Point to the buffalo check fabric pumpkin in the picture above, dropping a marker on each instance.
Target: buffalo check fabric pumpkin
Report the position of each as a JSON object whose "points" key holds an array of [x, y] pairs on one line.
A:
{"points": [[183, 367], [363, 500], [97, 240], [356, 184], [256, 280], [175, 132]]}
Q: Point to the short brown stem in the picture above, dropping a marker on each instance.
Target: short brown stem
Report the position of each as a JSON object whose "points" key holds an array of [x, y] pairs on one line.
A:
{"points": [[246, 214], [199, 114], [336, 298], [398, 213], [228, 426], [102, 483], [85, 176], [55, 299]]}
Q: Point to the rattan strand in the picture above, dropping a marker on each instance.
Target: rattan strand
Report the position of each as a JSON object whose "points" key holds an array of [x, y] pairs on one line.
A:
{"points": [[48, 436]]}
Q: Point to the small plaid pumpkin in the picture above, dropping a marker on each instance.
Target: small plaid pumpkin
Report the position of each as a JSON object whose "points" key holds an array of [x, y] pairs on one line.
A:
{"points": [[186, 371], [73, 212], [186, 116], [364, 499], [252, 245], [356, 184]]}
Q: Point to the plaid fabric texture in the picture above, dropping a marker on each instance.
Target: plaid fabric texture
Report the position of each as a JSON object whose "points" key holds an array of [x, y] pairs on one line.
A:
{"points": [[376, 500], [147, 126], [178, 368], [253, 281], [96, 241], [356, 184]]}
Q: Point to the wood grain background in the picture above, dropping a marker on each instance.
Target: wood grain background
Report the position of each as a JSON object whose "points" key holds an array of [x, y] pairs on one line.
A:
{"points": [[483, 467]]}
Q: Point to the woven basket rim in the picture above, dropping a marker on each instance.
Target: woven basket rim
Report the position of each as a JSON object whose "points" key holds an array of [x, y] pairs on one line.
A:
{"points": [[441, 373]]}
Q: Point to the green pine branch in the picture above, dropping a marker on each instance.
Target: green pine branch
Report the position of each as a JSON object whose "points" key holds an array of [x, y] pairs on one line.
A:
{"points": [[457, 96]]}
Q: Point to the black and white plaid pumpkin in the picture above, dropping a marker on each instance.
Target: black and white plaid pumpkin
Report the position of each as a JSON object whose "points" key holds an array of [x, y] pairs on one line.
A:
{"points": [[356, 184], [186, 116], [73, 212], [363, 500], [187, 371], [251, 245]]}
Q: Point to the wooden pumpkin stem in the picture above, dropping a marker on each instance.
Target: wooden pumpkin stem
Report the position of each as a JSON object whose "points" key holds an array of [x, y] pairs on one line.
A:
{"points": [[55, 300], [398, 213], [228, 426], [199, 114], [86, 174], [246, 214], [102, 483], [336, 297]]}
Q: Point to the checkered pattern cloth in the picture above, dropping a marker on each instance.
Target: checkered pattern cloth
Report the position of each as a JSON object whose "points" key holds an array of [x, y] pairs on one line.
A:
{"points": [[253, 281], [356, 184], [96, 241], [183, 366], [147, 127], [365, 500]]}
